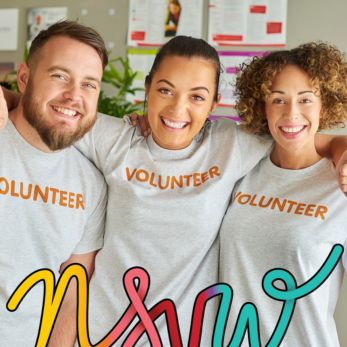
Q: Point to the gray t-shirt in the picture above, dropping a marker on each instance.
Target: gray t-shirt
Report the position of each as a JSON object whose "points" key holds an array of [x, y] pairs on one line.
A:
{"points": [[164, 211], [51, 206], [285, 219]]}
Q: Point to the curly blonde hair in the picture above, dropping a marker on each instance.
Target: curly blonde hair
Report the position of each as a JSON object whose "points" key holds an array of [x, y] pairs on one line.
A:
{"points": [[326, 67]]}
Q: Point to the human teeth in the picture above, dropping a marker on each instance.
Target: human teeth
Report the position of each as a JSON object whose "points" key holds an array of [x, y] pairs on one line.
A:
{"points": [[65, 111], [175, 125], [293, 129]]}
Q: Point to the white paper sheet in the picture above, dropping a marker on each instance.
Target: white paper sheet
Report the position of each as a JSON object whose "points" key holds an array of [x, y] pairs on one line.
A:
{"points": [[140, 60], [9, 29], [247, 22], [148, 20], [41, 18], [231, 62]]}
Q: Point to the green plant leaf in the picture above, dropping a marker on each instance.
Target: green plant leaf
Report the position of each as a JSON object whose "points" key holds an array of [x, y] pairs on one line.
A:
{"points": [[120, 76]]}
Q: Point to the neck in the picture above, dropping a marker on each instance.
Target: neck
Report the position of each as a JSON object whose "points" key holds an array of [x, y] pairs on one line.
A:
{"points": [[26, 130], [294, 159]]}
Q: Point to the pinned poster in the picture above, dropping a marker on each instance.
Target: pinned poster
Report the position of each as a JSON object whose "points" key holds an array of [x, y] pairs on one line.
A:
{"points": [[153, 22], [247, 22], [231, 62], [140, 60], [9, 29], [41, 18]]}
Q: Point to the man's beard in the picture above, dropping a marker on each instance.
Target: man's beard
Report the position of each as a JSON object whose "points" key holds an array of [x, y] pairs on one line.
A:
{"points": [[54, 136]]}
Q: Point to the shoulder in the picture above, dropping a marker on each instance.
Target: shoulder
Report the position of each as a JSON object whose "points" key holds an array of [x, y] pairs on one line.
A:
{"points": [[8, 132], [109, 123], [223, 125], [84, 167], [232, 131], [108, 128], [220, 129]]}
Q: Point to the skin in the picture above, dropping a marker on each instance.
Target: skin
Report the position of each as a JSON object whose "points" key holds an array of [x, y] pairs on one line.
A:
{"points": [[65, 329], [180, 98], [293, 111], [57, 82], [174, 9], [3, 109]]}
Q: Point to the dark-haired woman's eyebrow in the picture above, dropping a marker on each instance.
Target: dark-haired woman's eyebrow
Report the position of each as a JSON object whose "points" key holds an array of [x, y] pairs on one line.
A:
{"points": [[173, 86], [166, 81]]}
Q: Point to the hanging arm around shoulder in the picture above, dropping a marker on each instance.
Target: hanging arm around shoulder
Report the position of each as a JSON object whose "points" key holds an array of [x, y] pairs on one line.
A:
{"points": [[334, 148]]}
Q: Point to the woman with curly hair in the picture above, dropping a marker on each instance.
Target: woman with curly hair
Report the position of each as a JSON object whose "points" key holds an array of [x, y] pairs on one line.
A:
{"points": [[288, 212]]}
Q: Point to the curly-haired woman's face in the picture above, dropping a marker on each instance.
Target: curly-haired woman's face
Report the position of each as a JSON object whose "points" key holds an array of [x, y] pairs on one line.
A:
{"points": [[293, 109]]}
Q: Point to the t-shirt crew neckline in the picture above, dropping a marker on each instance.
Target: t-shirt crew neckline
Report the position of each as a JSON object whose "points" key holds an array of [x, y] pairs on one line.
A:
{"points": [[169, 154], [27, 146], [312, 171]]}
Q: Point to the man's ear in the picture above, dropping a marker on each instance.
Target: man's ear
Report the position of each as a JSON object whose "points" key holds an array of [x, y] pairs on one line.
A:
{"points": [[23, 76]]}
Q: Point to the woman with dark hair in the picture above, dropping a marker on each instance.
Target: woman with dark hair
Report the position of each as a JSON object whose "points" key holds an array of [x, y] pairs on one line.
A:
{"points": [[168, 192], [288, 212]]}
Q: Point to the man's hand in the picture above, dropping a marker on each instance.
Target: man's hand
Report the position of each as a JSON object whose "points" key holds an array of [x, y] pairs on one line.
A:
{"points": [[3, 110], [142, 122], [341, 169]]}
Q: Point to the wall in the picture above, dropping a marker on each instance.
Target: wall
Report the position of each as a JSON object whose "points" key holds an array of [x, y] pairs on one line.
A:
{"points": [[307, 20]]}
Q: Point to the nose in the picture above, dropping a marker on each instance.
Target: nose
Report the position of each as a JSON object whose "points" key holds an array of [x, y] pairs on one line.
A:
{"points": [[292, 110], [73, 92], [177, 107]]}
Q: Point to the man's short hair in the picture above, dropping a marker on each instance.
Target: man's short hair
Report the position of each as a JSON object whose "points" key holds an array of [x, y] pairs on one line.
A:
{"points": [[73, 30]]}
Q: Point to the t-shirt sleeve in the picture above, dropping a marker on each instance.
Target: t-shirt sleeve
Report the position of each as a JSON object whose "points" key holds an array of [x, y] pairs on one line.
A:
{"points": [[93, 236], [252, 148], [344, 256], [98, 142]]}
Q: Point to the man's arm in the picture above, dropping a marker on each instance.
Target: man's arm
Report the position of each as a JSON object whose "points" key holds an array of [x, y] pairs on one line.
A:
{"points": [[335, 148], [65, 329]]}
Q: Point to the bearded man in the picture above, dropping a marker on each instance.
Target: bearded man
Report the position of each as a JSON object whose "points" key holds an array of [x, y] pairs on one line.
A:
{"points": [[52, 199]]}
